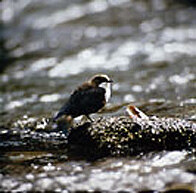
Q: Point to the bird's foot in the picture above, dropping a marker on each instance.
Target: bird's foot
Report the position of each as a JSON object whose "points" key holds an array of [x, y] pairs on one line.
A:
{"points": [[88, 117]]}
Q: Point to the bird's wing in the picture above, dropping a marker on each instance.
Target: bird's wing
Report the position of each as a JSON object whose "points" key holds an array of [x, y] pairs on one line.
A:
{"points": [[83, 102], [88, 100]]}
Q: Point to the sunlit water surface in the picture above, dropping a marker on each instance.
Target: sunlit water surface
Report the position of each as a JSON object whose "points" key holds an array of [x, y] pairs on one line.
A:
{"points": [[51, 46]]}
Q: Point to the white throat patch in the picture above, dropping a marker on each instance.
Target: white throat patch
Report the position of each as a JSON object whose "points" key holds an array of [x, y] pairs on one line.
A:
{"points": [[108, 88]]}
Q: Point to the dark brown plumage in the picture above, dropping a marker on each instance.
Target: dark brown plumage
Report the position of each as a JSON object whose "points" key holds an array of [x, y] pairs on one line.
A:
{"points": [[86, 99]]}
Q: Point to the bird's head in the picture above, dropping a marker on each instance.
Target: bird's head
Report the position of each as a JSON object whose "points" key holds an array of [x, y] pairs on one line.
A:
{"points": [[100, 78]]}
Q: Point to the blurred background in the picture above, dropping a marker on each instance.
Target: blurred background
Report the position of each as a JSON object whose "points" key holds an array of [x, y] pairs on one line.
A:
{"points": [[49, 47]]}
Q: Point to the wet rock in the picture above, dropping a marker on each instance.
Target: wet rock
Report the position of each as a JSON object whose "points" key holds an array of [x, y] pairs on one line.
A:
{"points": [[111, 136], [120, 136], [32, 134]]}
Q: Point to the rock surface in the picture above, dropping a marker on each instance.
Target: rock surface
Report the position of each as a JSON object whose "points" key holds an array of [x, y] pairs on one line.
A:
{"points": [[120, 136], [111, 136]]}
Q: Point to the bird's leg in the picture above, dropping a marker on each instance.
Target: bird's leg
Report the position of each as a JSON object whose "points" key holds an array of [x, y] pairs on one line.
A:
{"points": [[88, 117]]}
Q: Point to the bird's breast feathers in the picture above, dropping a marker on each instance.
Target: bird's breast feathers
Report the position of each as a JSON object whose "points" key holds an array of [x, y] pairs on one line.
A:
{"points": [[108, 90]]}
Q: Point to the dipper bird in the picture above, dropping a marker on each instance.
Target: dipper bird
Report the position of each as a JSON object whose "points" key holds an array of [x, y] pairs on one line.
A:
{"points": [[88, 98]]}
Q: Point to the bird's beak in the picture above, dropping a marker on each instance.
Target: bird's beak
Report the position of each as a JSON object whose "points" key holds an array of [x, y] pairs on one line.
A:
{"points": [[110, 81]]}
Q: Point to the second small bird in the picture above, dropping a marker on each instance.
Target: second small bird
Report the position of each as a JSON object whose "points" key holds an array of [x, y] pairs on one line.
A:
{"points": [[88, 98]]}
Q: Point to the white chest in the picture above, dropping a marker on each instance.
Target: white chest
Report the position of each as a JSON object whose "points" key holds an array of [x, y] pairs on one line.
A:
{"points": [[108, 89]]}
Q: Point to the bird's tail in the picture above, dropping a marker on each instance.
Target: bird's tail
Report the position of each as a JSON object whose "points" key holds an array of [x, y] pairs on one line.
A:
{"points": [[57, 116], [64, 111], [66, 117], [65, 123]]}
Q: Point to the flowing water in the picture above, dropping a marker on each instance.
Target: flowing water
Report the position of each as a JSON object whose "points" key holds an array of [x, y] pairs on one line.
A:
{"points": [[49, 47]]}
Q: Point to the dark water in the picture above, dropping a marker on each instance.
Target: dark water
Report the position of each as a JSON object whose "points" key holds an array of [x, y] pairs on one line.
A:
{"points": [[48, 47]]}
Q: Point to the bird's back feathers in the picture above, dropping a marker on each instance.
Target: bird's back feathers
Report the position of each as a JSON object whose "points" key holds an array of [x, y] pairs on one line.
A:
{"points": [[85, 100]]}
